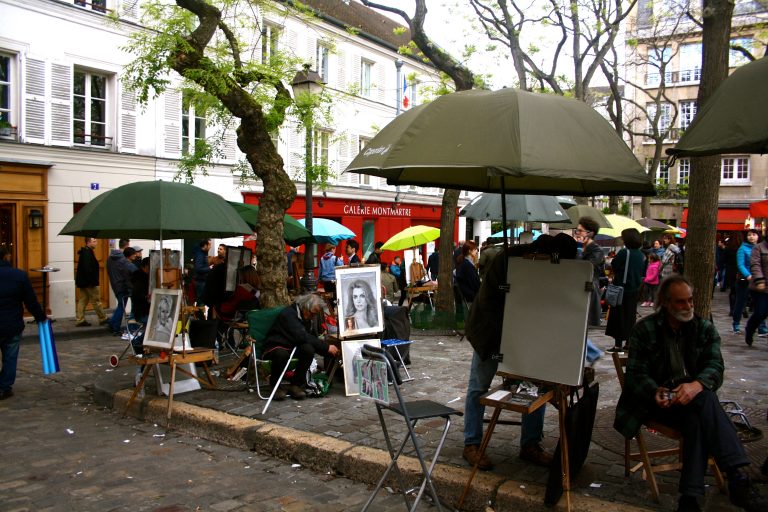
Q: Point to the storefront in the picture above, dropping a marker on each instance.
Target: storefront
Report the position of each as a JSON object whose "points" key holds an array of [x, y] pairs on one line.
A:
{"points": [[728, 219], [371, 221]]}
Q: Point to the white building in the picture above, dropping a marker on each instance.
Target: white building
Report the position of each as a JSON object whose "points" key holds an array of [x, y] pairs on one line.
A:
{"points": [[69, 129]]}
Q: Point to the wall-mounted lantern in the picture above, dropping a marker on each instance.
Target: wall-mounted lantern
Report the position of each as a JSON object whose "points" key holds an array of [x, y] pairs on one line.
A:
{"points": [[35, 219]]}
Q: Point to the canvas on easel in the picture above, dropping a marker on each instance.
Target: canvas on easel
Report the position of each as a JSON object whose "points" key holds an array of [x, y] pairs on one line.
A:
{"points": [[545, 320], [163, 314], [237, 258], [359, 295]]}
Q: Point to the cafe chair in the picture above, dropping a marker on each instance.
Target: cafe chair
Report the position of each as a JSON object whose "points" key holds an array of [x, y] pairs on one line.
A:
{"points": [[411, 412], [644, 456], [260, 321]]}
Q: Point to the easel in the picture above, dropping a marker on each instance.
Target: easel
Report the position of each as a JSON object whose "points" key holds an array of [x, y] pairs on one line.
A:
{"points": [[502, 398], [172, 358]]}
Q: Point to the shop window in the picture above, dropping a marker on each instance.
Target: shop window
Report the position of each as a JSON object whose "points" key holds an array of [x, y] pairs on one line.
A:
{"points": [[734, 170], [89, 109]]}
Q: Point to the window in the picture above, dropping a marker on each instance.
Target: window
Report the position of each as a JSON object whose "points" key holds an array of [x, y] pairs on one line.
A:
{"points": [[89, 109], [683, 171], [690, 62], [658, 60], [323, 54], [192, 124], [366, 71], [687, 113], [662, 173], [270, 42], [96, 5], [737, 58], [363, 179], [735, 169], [320, 142], [664, 118], [5, 90]]}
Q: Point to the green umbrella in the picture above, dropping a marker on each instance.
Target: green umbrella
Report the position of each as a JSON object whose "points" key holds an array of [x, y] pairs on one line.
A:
{"points": [[293, 232], [525, 142], [413, 236], [653, 224], [582, 210], [157, 210], [734, 119], [618, 224], [520, 207]]}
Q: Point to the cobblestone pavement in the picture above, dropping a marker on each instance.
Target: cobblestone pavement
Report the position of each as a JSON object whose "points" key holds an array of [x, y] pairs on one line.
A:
{"points": [[440, 367]]}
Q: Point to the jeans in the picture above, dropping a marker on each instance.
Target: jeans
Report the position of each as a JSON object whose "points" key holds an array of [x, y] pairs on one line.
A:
{"points": [[9, 345], [481, 375], [116, 322], [593, 353], [199, 291], [706, 430], [741, 289]]}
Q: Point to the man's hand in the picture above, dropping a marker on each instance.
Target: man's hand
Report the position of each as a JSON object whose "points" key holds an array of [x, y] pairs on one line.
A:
{"points": [[663, 398], [333, 350], [685, 393], [760, 286]]}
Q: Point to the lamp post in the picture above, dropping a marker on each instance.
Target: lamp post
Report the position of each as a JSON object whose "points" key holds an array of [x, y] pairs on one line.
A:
{"points": [[306, 85]]}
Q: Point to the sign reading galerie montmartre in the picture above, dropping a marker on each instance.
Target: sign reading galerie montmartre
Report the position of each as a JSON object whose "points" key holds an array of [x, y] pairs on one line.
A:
{"points": [[379, 211]]}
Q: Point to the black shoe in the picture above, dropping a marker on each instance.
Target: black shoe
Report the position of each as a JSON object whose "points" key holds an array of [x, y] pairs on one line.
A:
{"points": [[614, 349], [743, 494], [749, 338], [6, 394], [688, 504]]}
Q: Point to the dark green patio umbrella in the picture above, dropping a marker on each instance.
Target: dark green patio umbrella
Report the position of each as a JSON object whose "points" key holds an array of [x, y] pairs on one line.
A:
{"points": [[734, 119], [294, 232], [519, 207], [157, 210], [507, 140]]}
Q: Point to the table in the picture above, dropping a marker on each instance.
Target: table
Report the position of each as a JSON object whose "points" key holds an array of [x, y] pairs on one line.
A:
{"points": [[45, 271], [503, 398], [414, 291]]}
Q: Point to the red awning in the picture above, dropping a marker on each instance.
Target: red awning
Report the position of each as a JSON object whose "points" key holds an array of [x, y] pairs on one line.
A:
{"points": [[759, 209], [728, 219]]}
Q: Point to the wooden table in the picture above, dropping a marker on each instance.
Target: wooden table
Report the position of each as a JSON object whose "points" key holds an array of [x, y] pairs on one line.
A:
{"points": [[414, 291], [503, 398]]}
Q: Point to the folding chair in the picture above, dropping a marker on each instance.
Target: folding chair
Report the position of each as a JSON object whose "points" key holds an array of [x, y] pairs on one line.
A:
{"points": [[260, 321], [644, 456], [412, 412]]}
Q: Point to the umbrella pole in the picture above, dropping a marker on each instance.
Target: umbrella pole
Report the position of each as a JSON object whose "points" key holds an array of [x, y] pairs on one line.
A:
{"points": [[504, 230]]}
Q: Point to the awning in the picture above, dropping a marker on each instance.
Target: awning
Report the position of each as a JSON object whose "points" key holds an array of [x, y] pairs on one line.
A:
{"points": [[759, 209], [728, 219]]}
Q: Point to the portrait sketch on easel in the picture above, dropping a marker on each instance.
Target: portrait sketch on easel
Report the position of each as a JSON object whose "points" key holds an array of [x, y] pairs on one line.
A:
{"points": [[163, 312], [359, 294], [237, 258]]}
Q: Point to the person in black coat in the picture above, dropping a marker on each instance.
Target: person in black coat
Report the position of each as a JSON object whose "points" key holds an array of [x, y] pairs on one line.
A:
{"points": [[293, 328], [87, 281]]}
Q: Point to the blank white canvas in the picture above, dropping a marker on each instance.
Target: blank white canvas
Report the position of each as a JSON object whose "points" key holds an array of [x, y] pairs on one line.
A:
{"points": [[545, 320]]}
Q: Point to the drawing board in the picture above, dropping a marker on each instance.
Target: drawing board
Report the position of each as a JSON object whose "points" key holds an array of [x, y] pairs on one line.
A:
{"points": [[351, 351], [545, 320]]}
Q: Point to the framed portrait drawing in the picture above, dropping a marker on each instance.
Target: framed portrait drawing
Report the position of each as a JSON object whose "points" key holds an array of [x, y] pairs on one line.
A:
{"points": [[350, 351], [237, 258], [359, 294], [163, 314], [372, 376]]}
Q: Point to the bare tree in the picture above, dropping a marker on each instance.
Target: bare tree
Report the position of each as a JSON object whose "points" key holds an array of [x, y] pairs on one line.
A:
{"points": [[463, 80]]}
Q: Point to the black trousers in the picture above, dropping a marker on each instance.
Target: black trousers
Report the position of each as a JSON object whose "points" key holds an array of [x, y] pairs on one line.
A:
{"points": [[279, 357], [707, 431]]}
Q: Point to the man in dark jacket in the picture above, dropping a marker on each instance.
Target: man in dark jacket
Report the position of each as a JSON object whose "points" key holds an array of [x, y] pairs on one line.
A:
{"points": [[375, 256], [293, 328], [15, 292], [87, 280], [114, 271], [202, 268], [140, 298], [674, 369]]}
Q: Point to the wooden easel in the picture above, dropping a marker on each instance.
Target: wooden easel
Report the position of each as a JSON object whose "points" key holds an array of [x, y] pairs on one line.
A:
{"points": [[503, 399]]}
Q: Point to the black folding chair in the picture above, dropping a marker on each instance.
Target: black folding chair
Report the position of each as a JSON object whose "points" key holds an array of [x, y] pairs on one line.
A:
{"points": [[412, 412]]}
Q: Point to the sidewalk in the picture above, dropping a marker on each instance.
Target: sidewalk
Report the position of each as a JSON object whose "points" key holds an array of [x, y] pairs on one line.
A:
{"points": [[341, 435]]}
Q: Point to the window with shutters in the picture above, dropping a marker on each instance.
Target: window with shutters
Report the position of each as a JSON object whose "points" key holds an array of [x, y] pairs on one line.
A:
{"points": [[192, 124], [734, 170], [366, 71], [270, 42], [94, 5], [320, 142], [323, 56], [364, 179], [7, 115], [89, 109]]}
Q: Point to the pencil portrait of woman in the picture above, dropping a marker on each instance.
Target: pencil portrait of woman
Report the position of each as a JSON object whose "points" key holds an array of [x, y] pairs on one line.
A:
{"points": [[361, 305]]}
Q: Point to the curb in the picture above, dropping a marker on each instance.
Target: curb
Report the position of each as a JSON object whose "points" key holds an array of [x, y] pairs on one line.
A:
{"points": [[333, 456]]}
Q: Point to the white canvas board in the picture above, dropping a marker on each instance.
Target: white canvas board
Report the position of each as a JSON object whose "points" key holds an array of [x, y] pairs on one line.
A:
{"points": [[183, 382], [545, 320]]}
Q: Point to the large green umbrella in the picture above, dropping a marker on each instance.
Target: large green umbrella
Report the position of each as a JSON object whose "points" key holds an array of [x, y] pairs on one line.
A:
{"points": [[294, 232], [507, 140], [157, 210], [413, 236], [583, 210], [734, 119], [519, 207]]}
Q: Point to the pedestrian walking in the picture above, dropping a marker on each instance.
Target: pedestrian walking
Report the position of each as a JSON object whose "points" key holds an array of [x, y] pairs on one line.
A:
{"points": [[15, 293], [743, 277], [627, 272], [87, 281]]}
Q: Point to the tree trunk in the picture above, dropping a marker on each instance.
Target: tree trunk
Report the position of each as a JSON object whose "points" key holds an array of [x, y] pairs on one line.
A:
{"points": [[705, 172], [444, 300]]}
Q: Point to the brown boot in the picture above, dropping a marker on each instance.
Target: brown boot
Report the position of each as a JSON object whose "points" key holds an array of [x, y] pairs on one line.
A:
{"points": [[296, 392], [535, 454], [472, 455]]}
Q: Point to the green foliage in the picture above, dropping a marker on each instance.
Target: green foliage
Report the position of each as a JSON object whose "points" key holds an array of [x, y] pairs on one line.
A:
{"points": [[399, 31], [353, 31], [624, 208]]}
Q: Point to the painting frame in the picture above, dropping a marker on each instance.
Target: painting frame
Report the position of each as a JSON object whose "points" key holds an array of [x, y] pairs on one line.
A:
{"points": [[237, 258], [347, 280], [350, 350], [372, 376], [165, 304]]}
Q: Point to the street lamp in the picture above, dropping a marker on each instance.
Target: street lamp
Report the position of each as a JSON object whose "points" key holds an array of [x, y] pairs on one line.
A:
{"points": [[306, 85]]}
